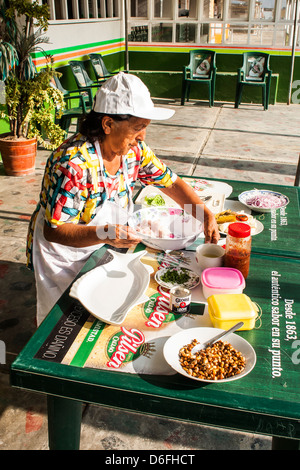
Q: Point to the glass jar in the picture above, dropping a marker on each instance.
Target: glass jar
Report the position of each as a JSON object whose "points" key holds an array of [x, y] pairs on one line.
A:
{"points": [[238, 247]]}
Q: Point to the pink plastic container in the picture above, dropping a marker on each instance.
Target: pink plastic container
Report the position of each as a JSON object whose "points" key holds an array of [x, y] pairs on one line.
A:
{"points": [[222, 281]]}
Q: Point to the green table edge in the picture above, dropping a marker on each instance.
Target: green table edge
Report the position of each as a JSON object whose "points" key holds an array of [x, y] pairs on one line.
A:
{"points": [[62, 380]]}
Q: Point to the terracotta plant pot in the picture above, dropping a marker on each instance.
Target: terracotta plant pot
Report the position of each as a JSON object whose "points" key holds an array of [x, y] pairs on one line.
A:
{"points": [[18, 155]]}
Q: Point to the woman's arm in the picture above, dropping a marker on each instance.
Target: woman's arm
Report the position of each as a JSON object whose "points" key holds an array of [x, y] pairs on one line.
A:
{"points": [[186, 197], [80, 236]]}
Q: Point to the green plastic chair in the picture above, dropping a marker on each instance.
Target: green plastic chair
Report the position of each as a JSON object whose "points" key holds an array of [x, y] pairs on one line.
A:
{"points": [[81, 76], [84, 105], [99, 67], [255, 72], [86, 94], [201, 70]]}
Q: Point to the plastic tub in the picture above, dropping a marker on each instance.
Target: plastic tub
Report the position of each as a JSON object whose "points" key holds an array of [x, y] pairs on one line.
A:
{"points": [[222, 280], [225, 310]]}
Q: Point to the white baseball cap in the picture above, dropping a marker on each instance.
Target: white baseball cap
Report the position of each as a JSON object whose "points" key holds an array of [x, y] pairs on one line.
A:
{"points": [[127, 94]]}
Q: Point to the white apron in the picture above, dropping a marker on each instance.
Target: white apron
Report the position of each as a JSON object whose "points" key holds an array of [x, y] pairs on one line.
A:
{"points": [[56, 265]]}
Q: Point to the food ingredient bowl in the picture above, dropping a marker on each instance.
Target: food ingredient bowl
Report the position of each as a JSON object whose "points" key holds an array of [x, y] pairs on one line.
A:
{"points": [[263, 200], [177, 276], [210, 255], [177, 341], [165, 228], [222, 280], [225, 310]]}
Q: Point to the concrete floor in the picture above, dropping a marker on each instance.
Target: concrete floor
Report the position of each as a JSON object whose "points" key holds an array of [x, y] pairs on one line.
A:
{"points": [[222, 142]]}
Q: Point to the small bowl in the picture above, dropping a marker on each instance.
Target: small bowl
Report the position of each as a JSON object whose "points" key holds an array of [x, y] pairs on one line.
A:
{"points": [[165, 228], [210, 255], [247, 195]]}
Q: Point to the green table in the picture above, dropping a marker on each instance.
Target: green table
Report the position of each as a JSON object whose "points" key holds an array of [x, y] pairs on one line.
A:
{"points": [[281, 228], [266, 401]]}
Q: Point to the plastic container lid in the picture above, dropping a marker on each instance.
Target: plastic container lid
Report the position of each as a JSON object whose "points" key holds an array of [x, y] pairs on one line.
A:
{"points": [[239, 230], [232, 307], [223, 278]]}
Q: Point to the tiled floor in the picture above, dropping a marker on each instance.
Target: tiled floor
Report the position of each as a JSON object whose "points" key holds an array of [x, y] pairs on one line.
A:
{"points": [[222, 142]]}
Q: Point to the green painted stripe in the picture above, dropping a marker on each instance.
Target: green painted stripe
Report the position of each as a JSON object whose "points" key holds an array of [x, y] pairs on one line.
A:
{"points": [[64, 50], [220, 50], [88, 344], [59, 61], [79, 48], [159, 48]]}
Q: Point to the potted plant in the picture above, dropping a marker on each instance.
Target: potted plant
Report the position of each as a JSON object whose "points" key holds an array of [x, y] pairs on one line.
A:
{"points": [[30, 99]]}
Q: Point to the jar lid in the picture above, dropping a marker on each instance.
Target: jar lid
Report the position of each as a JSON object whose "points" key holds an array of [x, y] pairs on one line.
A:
{"points": [[222, 278], [239, 230]]}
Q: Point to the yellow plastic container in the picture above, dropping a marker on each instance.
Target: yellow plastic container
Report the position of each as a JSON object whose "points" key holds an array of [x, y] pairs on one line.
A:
{"points": [[225, 310]]}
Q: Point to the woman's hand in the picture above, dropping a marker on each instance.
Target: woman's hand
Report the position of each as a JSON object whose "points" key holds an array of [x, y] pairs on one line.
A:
{"points": [[119, 236], [211, 230]]}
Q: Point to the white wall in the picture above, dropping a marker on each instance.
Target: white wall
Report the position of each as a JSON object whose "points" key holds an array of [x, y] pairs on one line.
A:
{"points": [[78, 33]]}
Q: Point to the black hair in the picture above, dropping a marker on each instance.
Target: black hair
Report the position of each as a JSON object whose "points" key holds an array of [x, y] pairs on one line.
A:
{"points": [[91, 125]]}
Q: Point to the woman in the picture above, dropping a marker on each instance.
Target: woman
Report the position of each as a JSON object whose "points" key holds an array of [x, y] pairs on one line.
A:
{"points": [[86, 194]]}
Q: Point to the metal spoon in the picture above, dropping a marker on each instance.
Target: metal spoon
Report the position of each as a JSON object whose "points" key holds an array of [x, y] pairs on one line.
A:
{"points": [[198, 347], [205, 198]]}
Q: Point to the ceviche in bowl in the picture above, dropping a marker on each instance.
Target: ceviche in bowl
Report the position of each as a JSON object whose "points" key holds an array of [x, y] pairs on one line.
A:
{"points": [[263, 200], [165, 228]]}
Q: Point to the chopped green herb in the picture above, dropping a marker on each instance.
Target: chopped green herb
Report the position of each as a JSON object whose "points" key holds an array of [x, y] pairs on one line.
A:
{"points": [[176, 277]]}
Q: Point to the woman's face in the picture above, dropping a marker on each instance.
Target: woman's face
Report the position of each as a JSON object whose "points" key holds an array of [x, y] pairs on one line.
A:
{"points": [[121, 136]]}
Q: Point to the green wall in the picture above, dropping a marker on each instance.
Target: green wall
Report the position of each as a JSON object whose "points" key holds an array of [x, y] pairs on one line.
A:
{"points": [[150, 65]]}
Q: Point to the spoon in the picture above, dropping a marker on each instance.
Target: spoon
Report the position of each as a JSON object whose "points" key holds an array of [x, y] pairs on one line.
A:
{"points": [[205, 198], [211, 341], [172, 261]]}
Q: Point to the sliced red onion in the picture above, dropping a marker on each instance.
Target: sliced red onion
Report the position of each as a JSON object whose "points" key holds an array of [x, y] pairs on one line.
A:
{"points": [[266, 201]]}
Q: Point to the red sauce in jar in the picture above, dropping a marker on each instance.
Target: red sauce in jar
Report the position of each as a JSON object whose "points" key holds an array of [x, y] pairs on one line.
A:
{"points": [[238, 247], [239, 260]]}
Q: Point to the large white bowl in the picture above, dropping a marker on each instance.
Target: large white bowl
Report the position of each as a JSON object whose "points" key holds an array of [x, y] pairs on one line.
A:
{"points": [[181, 229], [202, 334]]}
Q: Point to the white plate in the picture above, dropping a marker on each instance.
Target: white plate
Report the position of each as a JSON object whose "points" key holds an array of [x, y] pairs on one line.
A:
{"points": [[177, 341], [190, 284], [254, 231], [246, 195], [236, 206], [111, 290], [202, 186]]}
